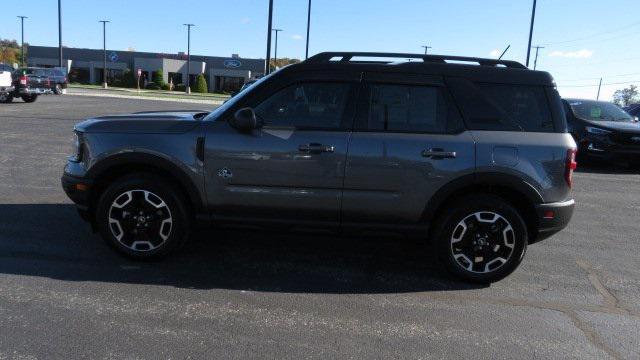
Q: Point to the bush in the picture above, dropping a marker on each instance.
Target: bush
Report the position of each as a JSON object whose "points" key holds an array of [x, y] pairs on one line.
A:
{"points": [[156, 78], [165, 87], [180, 87], [201, 84], [152, 86]]}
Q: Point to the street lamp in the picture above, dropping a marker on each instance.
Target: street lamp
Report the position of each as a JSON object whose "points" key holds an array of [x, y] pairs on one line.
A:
{"points": [[104, 49], [188, 88], [22, 44], [533, 17], [267, 60], [426, 48], [306, 53], [60, 32], [275, 53]]}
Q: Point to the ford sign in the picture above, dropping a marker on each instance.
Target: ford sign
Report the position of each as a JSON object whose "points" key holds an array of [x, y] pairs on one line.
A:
{"points": [[232, 63]]}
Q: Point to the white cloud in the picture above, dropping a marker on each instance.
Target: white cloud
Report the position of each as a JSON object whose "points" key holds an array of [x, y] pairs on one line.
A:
{"points": [[495, 53], [245, 20], [296, 37], [579, 54]]}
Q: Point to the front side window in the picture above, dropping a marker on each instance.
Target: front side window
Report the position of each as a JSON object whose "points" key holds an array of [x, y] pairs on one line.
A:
{"points": [[306, 105], [406, 108]]}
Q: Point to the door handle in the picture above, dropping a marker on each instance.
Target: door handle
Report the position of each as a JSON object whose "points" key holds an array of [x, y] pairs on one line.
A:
{"points": [[438, 154], [315, 148]]}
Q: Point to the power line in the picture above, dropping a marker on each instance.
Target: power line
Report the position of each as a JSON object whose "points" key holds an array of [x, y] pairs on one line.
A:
{"points": [[596, 78], [613, 83], [593, 35]]}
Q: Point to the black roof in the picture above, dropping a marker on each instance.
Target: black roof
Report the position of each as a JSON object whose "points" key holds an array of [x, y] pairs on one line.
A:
{"points": [[472, 68]]}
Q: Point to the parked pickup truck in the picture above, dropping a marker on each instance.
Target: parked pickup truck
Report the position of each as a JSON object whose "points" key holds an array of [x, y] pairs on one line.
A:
{"points": [[28, 83], [6, 87]]}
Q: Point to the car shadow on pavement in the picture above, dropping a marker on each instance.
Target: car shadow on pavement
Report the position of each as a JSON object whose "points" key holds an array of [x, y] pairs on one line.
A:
{"points": [[50, 240]]}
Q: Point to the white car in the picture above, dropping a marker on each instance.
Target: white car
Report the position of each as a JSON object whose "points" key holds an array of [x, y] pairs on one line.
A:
{"points": [[6, 88]]}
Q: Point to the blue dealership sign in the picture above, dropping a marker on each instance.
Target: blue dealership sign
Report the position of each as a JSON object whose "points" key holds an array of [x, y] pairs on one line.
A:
{"points": [[113, 56], [232, 63]]}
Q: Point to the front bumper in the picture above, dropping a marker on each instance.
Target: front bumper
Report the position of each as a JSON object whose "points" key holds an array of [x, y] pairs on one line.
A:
{"points": [[603, 148], [77, 189], [6, 89], [553, 217]]}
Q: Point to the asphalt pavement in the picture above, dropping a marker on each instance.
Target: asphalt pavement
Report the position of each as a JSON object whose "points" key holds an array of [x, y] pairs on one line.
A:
{"points": [[241, 294]]}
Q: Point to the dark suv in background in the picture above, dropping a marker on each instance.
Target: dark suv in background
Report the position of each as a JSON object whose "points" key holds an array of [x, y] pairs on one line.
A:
{"points": [[58, 80], [471, 153], [603, 131]]}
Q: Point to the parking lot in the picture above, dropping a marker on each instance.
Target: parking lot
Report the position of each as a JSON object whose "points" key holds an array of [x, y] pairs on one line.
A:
{"points": [[237, 294]]}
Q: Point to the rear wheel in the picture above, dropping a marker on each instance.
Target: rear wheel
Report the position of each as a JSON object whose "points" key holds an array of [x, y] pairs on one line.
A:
{"points": [[481, 238], [58, 89], [142, 217], [29, 98]]}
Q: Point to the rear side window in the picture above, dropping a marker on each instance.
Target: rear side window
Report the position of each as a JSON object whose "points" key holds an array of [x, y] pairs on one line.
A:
{"points": [[406, 108], [504, 107]]}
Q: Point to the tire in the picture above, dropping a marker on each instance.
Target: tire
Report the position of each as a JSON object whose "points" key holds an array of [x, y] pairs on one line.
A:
{"points": [[6, 98], [481, 238], [29, 98], [143, 217], [58, 89]]}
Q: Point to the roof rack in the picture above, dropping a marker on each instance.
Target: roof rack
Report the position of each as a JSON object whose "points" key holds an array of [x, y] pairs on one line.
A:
{"points": [[326, 57]]}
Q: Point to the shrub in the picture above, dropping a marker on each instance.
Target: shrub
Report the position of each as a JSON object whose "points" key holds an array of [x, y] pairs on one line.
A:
{"points": [[156, 78], [153, 86], [165, 86], [201, 84], [180, 87]]}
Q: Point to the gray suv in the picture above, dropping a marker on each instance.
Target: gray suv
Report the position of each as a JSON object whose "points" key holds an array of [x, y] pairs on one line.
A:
{"points": [[472, 154]]}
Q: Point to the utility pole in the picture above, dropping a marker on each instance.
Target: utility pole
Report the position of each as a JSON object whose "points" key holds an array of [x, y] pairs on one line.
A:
{"points": [[104, 52], [267, 68], [188, 87], [426, 48], [599, 86], [275, 54], [60, 32], [504, 52], [22, 44], [533, 17], [535, 61], [306, 53]]}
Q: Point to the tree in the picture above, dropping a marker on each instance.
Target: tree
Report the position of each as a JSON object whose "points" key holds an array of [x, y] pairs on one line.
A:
{"points": [[282, 62], [157, 78], [10, 51], [626, 96], [201, 84]]}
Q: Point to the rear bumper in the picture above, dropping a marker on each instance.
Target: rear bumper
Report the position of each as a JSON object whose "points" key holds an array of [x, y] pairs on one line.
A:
{"points": [[6, 89], [34, 91], [553, 217]]}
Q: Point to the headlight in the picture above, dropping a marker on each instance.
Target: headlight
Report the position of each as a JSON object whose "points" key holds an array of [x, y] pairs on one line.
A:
{"points": [[76, 148], [597, 131]]}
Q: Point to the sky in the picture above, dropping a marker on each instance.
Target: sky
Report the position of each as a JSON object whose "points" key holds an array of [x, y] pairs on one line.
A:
{"points": [[583, 40]]}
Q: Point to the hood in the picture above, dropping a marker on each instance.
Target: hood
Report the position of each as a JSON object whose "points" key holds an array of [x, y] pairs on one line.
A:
{"points": [[622, 126], [164, 122]]}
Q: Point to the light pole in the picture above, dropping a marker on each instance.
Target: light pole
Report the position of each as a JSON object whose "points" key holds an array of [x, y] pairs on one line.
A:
{"points": [[60, 32], [104, 49], [188, 88], [267, 68], [533, 17], [535, 60], [275, 53], [426, 48], [306, 53], [22, 44]]}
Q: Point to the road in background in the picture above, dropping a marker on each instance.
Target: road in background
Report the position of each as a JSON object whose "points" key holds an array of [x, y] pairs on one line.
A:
{"points": [[239, 294]]}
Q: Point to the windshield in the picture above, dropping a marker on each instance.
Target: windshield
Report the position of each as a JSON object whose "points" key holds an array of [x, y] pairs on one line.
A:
{"points": [[229, 103], [29, 71], [599, 111]]}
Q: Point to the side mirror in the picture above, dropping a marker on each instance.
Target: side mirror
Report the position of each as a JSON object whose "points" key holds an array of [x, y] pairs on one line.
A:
{"points": [[245, 120], [635, 118]]}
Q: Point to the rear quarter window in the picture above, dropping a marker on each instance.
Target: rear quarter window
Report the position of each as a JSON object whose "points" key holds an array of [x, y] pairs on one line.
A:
{"points": [[503, 107]]}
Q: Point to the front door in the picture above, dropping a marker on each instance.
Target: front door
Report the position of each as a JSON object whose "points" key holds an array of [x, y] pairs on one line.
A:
{"points": [[290, 169]]}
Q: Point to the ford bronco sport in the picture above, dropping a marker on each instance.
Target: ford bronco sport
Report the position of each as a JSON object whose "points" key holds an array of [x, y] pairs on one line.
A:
{"points": [[471, 153]]}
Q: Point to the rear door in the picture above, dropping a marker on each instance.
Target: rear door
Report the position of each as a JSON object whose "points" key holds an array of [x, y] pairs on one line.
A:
{"points": [[293, 167], [408, 142]]}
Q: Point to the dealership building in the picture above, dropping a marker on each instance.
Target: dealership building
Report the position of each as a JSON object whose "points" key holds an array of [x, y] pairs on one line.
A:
{"points": [[86, 66]]}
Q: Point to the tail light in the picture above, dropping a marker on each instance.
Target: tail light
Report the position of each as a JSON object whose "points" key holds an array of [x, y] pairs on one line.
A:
{"points": [[23, 80], [570, 166]]}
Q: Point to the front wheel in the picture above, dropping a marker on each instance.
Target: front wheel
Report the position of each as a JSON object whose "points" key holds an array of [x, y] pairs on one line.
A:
{"points": [[142, 217], [58, 89], [6, 98], [481, 238], [29, 98]]}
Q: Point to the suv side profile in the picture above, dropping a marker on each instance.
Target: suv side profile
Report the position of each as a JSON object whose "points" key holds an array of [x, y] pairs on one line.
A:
{"points": [[472, 154]]}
